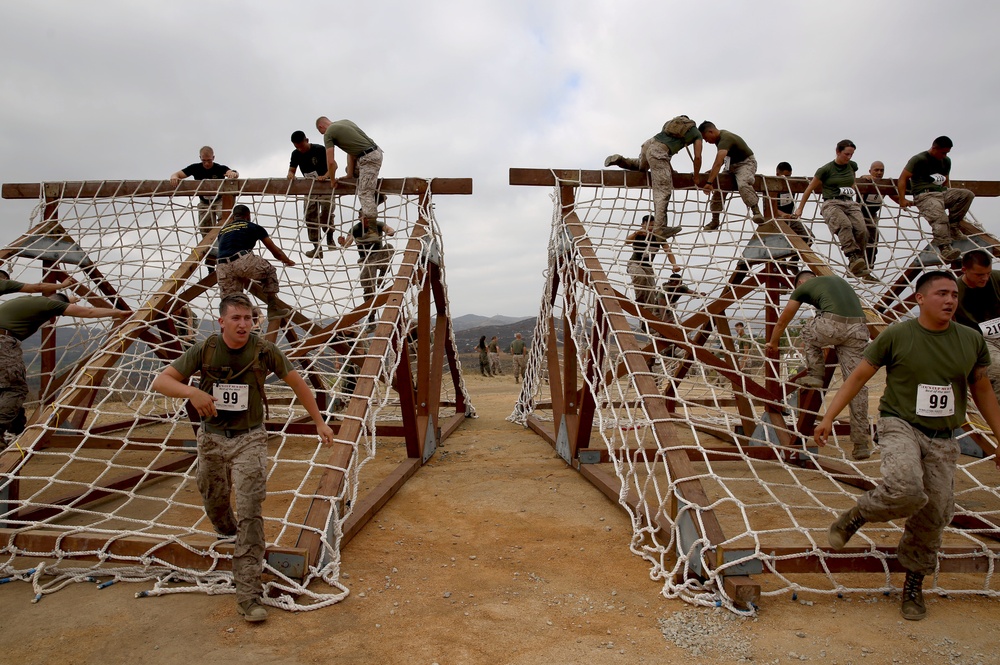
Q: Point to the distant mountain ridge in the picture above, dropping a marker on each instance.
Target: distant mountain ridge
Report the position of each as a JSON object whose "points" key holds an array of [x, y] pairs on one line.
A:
{"points": [[467, 321]]}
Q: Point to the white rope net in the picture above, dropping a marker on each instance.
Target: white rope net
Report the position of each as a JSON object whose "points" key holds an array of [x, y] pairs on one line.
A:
{"points": [[126, 247], [774, 506]]}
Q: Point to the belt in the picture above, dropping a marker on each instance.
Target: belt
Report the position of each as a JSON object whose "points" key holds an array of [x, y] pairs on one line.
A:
{"points": [[843, 319], [233, 257], [365, 152], [228, 433], [933, 433], [839, 198]]}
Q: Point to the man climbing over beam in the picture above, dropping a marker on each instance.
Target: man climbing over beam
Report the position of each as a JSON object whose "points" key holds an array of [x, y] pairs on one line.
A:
{"points": [[209, 209], [364, 160], [654, 156], [733, 153], [19, 319], [840, 323], [944, 207], [931, 365], [232, 440], [317, 210], [979, 306]]}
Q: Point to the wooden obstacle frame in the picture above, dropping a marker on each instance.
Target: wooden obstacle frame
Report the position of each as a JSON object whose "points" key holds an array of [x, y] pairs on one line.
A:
{"points": [[426, 419], [776, 248]]}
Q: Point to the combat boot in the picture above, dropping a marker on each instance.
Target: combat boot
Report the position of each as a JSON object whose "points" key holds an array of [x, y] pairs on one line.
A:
{"points": [[862, 451], [913, 607], [949, 253], [252, 610], [846, 526], [613, 160]]}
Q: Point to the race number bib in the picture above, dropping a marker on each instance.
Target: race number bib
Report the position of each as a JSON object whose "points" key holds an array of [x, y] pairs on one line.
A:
{"points": [[231, 396], [991, 328], [938, 179], [785, 198], [847, 191], [935, 401], [726, 163], [872, 199], [312, 175]]}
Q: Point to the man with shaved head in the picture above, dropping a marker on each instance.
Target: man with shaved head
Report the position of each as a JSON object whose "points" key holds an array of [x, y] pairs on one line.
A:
{"points": [[871, 209], [364, 160]]}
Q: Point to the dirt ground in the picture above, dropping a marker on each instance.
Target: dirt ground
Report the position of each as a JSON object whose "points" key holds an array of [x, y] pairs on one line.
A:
{"points": [[494, 552]]}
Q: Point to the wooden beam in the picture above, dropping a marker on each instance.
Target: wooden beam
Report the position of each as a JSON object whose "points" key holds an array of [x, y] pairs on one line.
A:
{"points": [[253, 186], [870, 560], [372, 502]]}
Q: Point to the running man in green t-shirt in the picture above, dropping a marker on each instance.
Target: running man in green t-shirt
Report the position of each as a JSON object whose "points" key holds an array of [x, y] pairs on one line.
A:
{"points": [[931, 364], [733, 153], [840, 323], [232, 440], [928, 175], [654, 156], [20, 318], [840, 211]]}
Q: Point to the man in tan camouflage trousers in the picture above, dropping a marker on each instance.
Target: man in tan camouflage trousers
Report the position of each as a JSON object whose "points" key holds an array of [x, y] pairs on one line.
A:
{"points": [[238, 265], [364, 160], [654, 156], [232, 441], [840, 323], [518, 353], [931, 366]]}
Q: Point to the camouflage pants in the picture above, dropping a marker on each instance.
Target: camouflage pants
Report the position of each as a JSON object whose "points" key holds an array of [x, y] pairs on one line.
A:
{"points": [[319, 219], [644, 284], [846, 223], [374, 265], [655, 158], [368, 168], [918, 476], [13, 382], [849, 341], [993, 371], [743, 173], [240, 463], [944, 211], [208, 216], [495, 363], [235, 276], [518, 368]]}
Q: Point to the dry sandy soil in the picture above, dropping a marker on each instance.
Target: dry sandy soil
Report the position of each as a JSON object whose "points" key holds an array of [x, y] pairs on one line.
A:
{"points": [[494, 552]]}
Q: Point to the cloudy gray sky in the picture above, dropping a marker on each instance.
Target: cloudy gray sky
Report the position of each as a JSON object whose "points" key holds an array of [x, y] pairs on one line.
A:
{"points": [[130, 90]]}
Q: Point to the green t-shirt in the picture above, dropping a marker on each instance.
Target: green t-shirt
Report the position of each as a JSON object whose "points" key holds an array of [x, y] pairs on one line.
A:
{"points": [[517, 347], [674, 144], [838, 179], [9, 286], [737, 147], [348, 137], [23, 316], [928, 172], [232, 366], [915, 357], [829, 293], [977, 306]]}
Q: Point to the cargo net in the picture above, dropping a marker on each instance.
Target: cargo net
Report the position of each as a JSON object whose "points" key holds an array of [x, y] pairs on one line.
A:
{"points": [[111, 464], [774, 502]]}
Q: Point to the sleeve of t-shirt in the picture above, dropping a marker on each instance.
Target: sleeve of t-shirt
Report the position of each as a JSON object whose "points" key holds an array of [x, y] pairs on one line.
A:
{"points": [[190, 169], [726, 142], [276, 361], [190, 361], [692, 135], [328, 139], [878, 351], [293, 162], [911, 165], [259, 231], [821, 173], [10, 286], [982, 352]]}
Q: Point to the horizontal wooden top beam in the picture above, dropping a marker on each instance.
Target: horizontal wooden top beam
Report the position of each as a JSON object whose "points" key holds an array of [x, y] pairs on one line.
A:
{"points": [[238, 187], [622, 178]]}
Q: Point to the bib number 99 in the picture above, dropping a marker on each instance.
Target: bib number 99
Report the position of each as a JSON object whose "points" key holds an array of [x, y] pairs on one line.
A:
{"points": [[231, 396]]}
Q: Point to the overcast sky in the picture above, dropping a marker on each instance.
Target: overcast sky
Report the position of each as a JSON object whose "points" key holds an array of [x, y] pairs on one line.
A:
{"points": [[130, 90]]}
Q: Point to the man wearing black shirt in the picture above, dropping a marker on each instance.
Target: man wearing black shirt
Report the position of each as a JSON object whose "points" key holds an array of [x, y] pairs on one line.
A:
{"points": [[206, 169], [238, 264], [311, 160]]}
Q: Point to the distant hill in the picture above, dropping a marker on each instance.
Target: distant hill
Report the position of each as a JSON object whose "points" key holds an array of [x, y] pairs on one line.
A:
{"points": [[467, 321], [468, 338]]}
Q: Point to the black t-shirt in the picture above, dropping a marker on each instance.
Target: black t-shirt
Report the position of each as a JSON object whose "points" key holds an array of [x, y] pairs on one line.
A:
{"points": [[239, 235], [311, 163], [199, 172], [644, 249]]}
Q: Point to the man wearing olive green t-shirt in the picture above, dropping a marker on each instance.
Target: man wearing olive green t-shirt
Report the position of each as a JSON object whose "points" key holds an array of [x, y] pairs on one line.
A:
{"points": [[364, 160], [929, 177], [742, 165], [19, 319], [840, 323], [232, 441], [518, 353], [931, 365], [654, 156]]}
